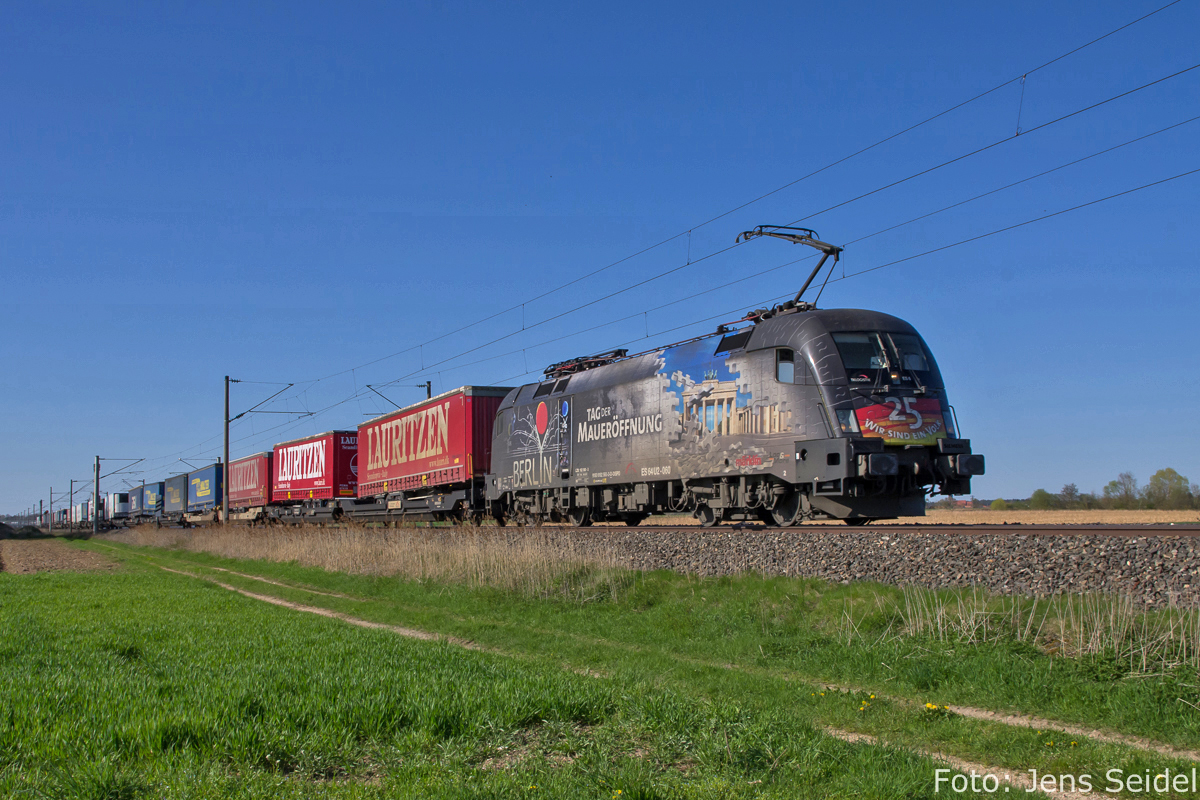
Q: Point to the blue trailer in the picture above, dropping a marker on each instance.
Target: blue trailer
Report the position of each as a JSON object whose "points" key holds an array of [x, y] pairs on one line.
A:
{"points": [[204, 488], [175, 497], [145, 501], [152, 499]]}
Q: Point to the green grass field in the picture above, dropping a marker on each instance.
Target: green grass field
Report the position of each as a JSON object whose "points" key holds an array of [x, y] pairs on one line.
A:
{"points": [[146, 683]]}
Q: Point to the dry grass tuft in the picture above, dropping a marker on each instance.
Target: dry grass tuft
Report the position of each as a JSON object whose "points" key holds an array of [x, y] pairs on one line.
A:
{"points": [[1131, 640], [531, 562]]}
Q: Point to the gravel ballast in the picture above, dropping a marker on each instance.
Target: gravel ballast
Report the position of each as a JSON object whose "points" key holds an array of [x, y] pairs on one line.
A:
{"points": [[1155, 571]]}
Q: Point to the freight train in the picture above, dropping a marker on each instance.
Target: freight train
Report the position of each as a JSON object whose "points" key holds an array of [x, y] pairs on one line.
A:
{"points": [[791, 414]]}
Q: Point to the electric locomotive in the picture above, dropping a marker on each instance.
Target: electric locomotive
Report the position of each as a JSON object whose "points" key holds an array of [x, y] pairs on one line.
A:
{"points": [[801, 414]]}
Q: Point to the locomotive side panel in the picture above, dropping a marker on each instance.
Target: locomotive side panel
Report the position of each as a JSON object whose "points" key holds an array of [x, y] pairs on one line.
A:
{"points": [[686, 412]]}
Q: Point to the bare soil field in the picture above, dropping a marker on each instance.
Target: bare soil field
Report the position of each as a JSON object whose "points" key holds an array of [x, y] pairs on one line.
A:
{"points": [[40, 555]]}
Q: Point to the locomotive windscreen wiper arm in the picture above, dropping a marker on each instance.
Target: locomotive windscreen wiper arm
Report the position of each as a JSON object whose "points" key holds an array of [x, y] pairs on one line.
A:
{"points": [[803, 236]]}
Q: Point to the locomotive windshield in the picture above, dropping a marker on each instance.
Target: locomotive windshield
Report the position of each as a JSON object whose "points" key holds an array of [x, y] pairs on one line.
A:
{"points": [[864, 354]]}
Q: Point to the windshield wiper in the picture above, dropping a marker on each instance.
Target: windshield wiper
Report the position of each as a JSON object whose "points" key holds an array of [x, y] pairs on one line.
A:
{"points": [[885, 366], [900, 355]]}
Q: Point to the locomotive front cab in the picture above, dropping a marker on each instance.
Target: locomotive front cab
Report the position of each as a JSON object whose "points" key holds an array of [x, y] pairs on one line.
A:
{"points": [[891, 436]]}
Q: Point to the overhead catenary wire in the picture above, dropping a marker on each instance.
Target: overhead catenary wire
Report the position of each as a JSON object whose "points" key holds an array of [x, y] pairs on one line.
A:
{"points": [[740, 207], [779, 298], [1018, 183], [727, 314], [996, 143], [720, 251], [1023, 224], [724, 286], [759, 198], [358, 393], [420, 347]]}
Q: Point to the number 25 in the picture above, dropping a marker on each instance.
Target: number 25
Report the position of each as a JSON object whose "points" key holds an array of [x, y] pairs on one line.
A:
{"points": [[908, 409]]}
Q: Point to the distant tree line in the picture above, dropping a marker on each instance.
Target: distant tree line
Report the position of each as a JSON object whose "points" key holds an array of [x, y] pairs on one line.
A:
{"points": [[1166, 489]]}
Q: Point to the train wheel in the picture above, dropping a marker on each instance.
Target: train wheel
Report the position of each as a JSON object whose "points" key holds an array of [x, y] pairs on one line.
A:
{"points": [[786, 512], [580, 517], [767, 518], [500, 520], [706, 516], [633, 520], [858, 522]]}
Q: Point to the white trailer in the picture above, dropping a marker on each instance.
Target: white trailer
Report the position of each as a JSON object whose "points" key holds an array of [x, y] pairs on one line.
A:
{"points": [[116, 506]]}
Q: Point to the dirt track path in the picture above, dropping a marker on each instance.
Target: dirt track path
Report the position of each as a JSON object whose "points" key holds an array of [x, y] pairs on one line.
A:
{"points": [[1015, 720], [411, 633], [1019, 780]]}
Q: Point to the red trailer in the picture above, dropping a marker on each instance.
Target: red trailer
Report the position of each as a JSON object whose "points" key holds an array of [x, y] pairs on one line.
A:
{"points": [[440, 442], [320, 467], [250, 481]]}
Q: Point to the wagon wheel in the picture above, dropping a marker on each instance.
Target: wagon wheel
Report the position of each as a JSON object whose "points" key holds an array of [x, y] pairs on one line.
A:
{"points": [[787, 511], [706, 516], [579, 517]]}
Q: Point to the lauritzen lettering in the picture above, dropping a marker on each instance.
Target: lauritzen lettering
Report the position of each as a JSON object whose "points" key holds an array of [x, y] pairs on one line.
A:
{"points": [[423, 434]]}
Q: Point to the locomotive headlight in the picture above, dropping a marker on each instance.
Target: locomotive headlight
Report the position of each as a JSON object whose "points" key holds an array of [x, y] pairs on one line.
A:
{"points": [[969, 464], [846, 421], [878, 464]]}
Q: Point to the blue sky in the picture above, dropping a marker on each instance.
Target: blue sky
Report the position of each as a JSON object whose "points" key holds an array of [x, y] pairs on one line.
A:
{"points": [[285, 192]]}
